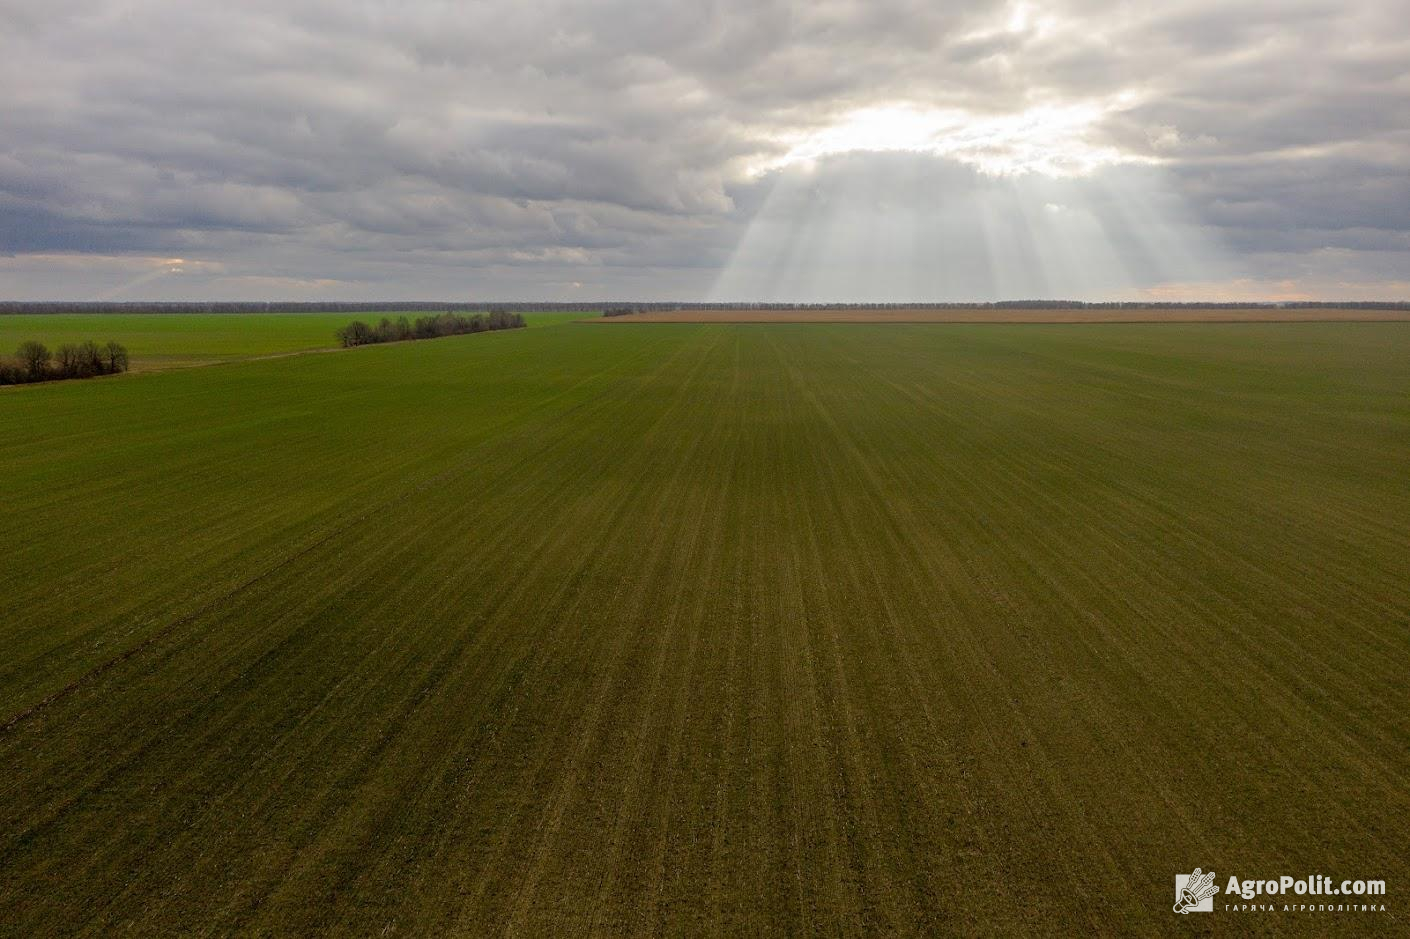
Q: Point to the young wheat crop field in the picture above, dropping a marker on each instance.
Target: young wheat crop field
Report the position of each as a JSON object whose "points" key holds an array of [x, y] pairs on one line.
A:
{"points": [[702, 628]]}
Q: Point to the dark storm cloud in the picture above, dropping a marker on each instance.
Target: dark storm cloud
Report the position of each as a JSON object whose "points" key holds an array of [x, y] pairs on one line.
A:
{"points": [[568, 149]]}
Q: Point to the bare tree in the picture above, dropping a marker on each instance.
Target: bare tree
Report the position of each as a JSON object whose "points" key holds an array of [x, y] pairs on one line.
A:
{"points": [[90, 359], [69, 357], [115, 356], [35, 357], [356, 333]]}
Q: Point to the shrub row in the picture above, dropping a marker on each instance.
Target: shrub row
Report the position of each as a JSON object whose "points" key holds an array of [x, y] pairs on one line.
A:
{"points": [[358, 333], [34, 362]]}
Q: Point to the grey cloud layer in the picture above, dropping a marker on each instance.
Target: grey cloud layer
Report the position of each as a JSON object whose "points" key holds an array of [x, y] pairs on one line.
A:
{"points": [[600, 149]]}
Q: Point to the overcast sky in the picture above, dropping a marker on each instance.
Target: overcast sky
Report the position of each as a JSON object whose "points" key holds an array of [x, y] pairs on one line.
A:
{"points": [[848, 149]]}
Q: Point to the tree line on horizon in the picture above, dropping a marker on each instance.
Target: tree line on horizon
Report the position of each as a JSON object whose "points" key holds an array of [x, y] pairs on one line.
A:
{"points": [[34, 362], [187, 307], [358, 333]]}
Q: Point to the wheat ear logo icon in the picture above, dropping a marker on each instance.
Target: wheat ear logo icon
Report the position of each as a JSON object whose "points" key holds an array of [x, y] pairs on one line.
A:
{"points": [[1198, 888]]}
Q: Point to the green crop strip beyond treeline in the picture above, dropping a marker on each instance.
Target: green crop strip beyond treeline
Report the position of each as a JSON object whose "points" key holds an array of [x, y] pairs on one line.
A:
{"points": [[703, 629]]}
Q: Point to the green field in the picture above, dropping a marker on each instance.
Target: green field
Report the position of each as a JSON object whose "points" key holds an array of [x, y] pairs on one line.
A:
{"points": [[704, 629], [164, 340]]}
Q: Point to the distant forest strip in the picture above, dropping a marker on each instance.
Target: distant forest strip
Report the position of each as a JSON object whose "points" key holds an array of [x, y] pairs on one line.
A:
{"points": [[33, 362], [15, 307], [621, 307], [358, 333], [994, 315], [632, 308]]}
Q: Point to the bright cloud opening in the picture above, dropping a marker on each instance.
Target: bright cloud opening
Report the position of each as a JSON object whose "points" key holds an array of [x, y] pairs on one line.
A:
{"points": [[1058, 141]]}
